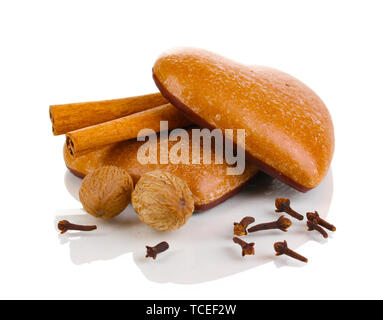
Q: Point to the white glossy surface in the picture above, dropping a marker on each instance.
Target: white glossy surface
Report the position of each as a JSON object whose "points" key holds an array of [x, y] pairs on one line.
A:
{"points": [[203, 249]]}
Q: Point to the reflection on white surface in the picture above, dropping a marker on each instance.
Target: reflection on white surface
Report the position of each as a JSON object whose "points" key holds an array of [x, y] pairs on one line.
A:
{"points": [[203, 249]]}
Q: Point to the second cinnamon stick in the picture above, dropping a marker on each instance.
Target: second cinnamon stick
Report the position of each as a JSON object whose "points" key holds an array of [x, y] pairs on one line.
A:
{"points": [[84, 140]]}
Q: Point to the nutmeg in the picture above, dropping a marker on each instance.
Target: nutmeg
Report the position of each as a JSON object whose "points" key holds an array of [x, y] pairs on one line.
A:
{"points": [[106, 191], [162, 200]]}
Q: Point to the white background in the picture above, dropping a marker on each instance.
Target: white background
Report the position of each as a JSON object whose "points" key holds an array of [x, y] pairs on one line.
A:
{"points": [[70, 51]]}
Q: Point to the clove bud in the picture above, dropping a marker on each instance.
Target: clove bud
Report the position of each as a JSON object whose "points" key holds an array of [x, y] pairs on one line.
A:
{"points": [[282, 224], [315, 216], [240, 228], [65, 225], [283, 205], [153, 251], [247, 248], [282, 248]]}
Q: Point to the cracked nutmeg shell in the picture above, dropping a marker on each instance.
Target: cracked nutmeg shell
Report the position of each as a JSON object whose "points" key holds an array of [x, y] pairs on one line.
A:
{"points": [[162, 200], [106, 191]]}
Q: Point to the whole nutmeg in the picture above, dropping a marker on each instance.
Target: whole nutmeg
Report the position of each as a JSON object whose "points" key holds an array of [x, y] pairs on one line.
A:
{"points": [[106, 191], [162, 200]]}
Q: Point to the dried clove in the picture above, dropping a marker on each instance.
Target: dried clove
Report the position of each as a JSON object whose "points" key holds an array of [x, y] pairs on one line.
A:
{"points": [[315, 216], [313, 225], [283, 205], [240, 228], [153, 251], [282, 224], [247, 248], [65, 225], [282, 248]]}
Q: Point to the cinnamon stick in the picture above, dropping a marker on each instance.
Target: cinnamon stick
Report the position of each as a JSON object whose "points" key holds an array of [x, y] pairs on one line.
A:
{"points": [[74, 116], [87, 139]]}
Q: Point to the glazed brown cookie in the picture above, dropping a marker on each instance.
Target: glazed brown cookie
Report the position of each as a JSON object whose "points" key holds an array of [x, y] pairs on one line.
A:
{"points": [[289, 131], [209, 183]]}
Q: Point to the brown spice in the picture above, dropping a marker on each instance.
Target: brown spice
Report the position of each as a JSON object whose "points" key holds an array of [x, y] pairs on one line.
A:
{"points": [[247, 248], [162, 200], [240, 228], [153, 251], [74, 116], [282, 224], [65, 225], [282, 248], [313, 225], [94, 137], [106, 191], [283, 205], [315, 216]]}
